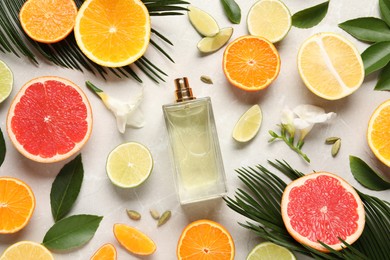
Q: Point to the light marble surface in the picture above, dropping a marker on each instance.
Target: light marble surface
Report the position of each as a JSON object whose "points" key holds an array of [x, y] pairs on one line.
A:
{"points": [[98, 196]]}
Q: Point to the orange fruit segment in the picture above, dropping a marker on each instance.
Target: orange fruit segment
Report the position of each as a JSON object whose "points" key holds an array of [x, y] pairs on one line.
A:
{"points": [[113, 33], [48, 21], [330, 66], [205, 239], [49, 120], [26, 250], [378, 133], [251, 63], [322, 207], [105, 252], [17, 204], [134, 240]]}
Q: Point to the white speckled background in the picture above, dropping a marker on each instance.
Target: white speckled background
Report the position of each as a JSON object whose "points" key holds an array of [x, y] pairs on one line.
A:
{"points": [[98, 196]]}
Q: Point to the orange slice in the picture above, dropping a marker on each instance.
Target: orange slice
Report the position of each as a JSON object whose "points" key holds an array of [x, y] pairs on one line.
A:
{"points": [[205, 239], [322, 207], [251, 63], [26, 250], [330, 66], [17, 204], [378, 133], [48, 21], [105, 252], [49, 120], [113, 33], [134, 240]]}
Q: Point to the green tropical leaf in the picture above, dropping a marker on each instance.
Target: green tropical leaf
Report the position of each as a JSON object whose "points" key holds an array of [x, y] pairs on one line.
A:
{"points": [[384, 6], [376, 56], [71, 232], [383, 82], [370, 29], [260, 201], [232, 11], [66, 187], [311, 16], [66, 52], [2, 148], [366, 176]]}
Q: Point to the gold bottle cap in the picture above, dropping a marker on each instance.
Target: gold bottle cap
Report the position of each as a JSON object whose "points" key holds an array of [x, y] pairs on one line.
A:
{"points": [[183, 90]]}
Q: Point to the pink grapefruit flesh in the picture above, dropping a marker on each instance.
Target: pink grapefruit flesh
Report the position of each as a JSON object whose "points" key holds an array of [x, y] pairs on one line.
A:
{"points": [[322, 207], [49, 120]]}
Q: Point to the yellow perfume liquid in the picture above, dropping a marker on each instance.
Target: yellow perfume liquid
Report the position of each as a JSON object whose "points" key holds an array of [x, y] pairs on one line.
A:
{"points": [[199, 173]]}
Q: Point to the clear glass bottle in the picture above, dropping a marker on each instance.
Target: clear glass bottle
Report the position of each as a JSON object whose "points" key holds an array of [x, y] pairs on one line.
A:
{"points": [[193, 140]]}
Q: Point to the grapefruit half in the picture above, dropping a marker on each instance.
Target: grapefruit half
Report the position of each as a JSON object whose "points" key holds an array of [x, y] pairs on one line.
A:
{"points": [[322, 207], [49, 120]]}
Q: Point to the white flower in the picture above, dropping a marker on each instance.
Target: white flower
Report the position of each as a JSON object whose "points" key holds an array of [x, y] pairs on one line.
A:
{"points": [[126, 114], [308, 116], [287, 120]]}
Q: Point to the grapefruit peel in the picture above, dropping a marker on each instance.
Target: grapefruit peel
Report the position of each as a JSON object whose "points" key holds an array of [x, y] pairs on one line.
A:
{"points": [[322, 210]]}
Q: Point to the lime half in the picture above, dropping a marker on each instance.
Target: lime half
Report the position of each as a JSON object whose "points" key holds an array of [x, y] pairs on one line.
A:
{"points": [[270, 251], [270, 19], [248, 125], [203, 22], [129, 165], [6, 81], [214, 43]]}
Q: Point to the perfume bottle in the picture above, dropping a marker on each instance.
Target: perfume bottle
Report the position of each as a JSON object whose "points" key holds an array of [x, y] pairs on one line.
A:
{"points": [[198, 167]]}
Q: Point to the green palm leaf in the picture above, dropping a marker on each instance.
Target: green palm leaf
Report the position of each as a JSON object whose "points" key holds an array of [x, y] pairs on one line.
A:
{"points": [[260, 203], [66, 52]]}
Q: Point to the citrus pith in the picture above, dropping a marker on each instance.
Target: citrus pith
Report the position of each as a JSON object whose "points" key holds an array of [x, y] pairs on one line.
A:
{"points": [[322, 207], [49, 120]]}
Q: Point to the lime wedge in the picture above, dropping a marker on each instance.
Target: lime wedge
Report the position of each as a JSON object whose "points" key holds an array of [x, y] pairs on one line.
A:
{"points": [[214, 43], [270, 19], [129, 165], [6, 81], [270, 251], [248, 125], [204, 23]]}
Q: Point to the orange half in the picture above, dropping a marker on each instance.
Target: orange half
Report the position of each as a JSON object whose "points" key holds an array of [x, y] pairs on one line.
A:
{"points": [[251, 63], [207, 240], [378, 133], [17, 204], [48, 21], [113, 33]]}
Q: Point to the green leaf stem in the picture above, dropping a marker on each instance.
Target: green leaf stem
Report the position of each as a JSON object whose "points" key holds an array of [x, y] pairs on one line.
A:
{"points": [[376, 56], [232, 11], [366, 176], [370, 29], [66, 188], [311, 16], [383, 82], [384, 6], [71, 232], [2, 148]]}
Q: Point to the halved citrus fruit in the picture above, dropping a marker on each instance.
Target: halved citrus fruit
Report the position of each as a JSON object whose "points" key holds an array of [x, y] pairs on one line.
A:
{"points": [[248, 125], [129, 165], [17, 204], [134, 240], [26, 250], [49, 120], [105, 252], [6, 81], [205, 239], [378, 133], [322, 207], [330, 66], [48, 21], [270, 19], [270, 251], [113, 33], [251, 63]]}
